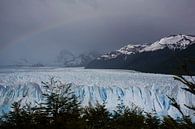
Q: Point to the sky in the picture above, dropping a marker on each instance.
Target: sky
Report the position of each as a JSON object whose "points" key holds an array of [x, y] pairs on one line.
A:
{"points": [[38, 29]]}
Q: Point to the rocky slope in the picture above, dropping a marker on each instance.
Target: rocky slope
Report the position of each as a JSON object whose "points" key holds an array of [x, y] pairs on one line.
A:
{"points": [[164, 56]]}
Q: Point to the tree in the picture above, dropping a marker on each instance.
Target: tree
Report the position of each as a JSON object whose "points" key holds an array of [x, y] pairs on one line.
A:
{"points": [[189, 84], [60, 110], [97, 117], [128, 118]]}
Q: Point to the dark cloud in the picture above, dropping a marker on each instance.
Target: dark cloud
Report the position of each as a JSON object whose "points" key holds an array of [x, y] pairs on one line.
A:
{"points": [[47, 26]]}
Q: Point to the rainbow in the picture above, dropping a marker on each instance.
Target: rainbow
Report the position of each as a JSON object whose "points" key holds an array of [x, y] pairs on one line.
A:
{"points": [[34, 32]]}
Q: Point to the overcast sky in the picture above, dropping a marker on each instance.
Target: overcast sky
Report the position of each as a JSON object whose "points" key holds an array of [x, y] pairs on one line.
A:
{"points": [[39, 29]]}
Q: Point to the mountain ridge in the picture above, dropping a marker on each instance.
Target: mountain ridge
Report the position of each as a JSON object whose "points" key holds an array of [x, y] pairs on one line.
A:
{"points": [[164, 56]]}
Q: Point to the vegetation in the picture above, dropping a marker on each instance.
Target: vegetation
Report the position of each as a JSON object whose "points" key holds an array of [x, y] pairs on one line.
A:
{"points": [[61, 110]]}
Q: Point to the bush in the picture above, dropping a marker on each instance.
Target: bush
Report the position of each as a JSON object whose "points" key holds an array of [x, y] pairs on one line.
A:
{"points": [[62, 110]]}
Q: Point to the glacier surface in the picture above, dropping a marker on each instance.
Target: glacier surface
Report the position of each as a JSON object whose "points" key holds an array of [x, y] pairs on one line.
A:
{"points": [[148, 91]]}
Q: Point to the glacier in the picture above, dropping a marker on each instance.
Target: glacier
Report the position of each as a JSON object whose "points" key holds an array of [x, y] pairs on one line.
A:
{"points": [[111, 87]]}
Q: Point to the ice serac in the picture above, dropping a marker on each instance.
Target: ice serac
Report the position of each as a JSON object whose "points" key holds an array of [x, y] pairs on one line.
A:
{"points": [[148, 91], [163, 56]]}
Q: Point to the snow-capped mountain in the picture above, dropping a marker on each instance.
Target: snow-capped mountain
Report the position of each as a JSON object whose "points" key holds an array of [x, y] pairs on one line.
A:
{"points": [[68, 59], [65, 58], [126, 50], [173, 42], [131, 49], [163, 56]]}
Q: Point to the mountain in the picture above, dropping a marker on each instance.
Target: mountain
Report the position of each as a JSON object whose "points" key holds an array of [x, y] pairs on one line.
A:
{"points": [[68, 59], [64, 58], [164, 56]]}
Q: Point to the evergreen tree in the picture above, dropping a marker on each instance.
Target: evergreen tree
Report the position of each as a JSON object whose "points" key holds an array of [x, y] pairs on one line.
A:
{"points": [[128, 118], [97, 117]]}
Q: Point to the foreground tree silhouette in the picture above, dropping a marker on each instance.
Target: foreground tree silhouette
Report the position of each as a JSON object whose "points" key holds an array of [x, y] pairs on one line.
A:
{"points": [[128, 118], [61, 110], [152, 121], [189, 84], [18, 118], [61, 107], [186, 121], [97, 117]]}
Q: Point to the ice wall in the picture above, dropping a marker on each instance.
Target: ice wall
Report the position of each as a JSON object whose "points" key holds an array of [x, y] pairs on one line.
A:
{"points": [[148, 91]]}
